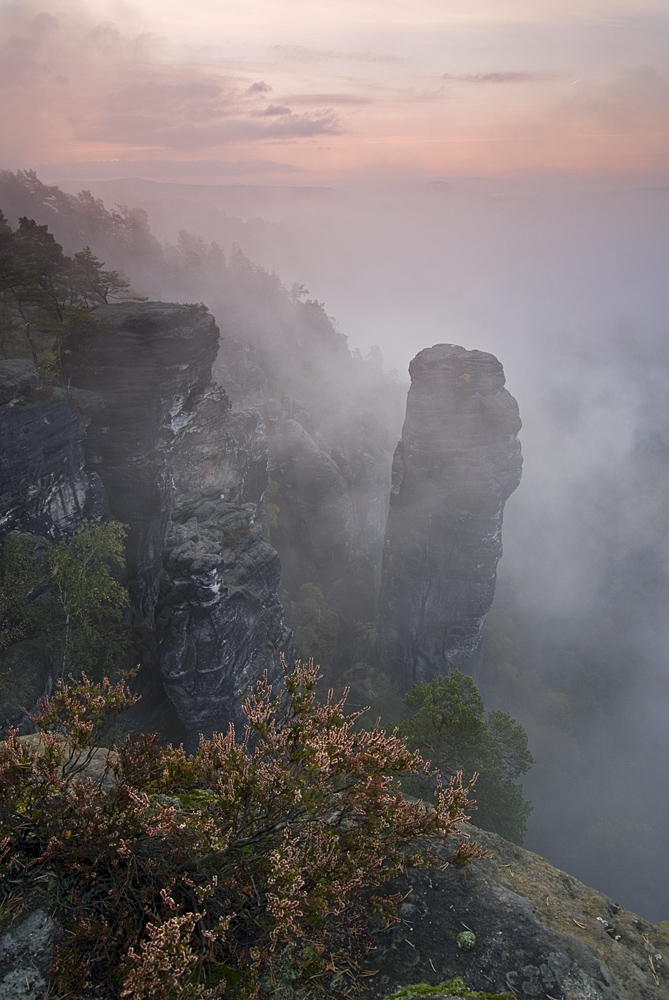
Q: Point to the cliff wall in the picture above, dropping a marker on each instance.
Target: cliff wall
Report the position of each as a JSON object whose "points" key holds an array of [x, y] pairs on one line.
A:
{"points": [[148, 439], [45, 486], [458, 461]]}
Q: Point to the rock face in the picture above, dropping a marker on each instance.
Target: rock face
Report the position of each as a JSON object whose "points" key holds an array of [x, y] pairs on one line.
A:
{"points": [[219, 620], [457, 462], [538, 933], [45, 487], [150, 363], [187, 476]]}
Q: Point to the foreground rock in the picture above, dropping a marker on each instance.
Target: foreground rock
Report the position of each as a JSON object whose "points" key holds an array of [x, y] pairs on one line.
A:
{"points": [[539, 933], [457, 463], [25, 957]]}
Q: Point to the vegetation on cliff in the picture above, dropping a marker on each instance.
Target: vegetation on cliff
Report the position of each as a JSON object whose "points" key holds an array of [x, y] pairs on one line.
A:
{"points": [[66, 597], [43, 292], [449, 729], [248, 864]]}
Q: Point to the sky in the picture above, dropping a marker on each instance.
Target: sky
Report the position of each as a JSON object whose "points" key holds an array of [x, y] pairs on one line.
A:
{"points": [[322, 92]]}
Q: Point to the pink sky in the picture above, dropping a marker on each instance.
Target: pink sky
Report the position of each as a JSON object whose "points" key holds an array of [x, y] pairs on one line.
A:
{"points": [[316, 91]]}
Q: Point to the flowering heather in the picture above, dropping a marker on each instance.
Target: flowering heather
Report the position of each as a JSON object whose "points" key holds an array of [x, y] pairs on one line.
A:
{"points": [[239, 868]]}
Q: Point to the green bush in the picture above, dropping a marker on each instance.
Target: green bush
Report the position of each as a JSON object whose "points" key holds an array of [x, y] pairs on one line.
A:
{"points": [[66, 596], [449, 729]]}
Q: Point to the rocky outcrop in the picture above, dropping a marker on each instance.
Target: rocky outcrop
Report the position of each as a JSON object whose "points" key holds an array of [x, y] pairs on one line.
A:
{"points": [[456, 464], [187, 476], [45, 486], [537, 933], [219, 620], [532, 932], [150, 363]]}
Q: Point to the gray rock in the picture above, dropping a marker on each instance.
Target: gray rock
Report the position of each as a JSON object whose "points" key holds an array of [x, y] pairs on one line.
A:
{"points": [[150, 362], [25, 957], [45, 487], [17, 377], [187, 475], [513, 950], [219, 621], [538, 932], [457, 462]]}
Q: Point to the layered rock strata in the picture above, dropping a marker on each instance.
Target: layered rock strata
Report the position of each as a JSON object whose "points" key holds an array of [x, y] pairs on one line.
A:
{"points": [[457, 463]]}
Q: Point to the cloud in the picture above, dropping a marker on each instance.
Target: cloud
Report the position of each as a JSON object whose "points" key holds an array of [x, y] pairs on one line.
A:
{"points": [[328, 99], [275, 109], [162, 131], [74, 87], [259, 88], [508, 77]]}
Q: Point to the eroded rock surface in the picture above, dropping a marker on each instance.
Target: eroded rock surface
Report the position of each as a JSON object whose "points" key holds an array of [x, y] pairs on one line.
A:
{"points": [[187, 475], [538, 933], [219, 621], [457, 463]]}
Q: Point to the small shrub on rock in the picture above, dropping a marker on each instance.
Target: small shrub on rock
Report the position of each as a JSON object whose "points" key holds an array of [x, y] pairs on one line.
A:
{"points": [[247, 868]]}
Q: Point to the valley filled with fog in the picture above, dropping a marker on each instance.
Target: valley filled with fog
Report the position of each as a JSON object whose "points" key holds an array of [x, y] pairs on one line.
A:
{"points": [[565, 282]]}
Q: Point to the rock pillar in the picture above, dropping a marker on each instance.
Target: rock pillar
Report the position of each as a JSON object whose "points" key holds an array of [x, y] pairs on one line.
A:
{"points": [[458, 461]]}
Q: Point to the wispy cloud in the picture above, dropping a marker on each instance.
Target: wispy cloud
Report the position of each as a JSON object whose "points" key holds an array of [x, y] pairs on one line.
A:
{"points": [[272, 110], [258, 88], [506, 77], [161, 130], [327, 99], [70, 83]]}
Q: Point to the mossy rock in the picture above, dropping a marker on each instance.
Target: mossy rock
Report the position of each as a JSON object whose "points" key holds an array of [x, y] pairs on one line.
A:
{"points": [[449, 987]]}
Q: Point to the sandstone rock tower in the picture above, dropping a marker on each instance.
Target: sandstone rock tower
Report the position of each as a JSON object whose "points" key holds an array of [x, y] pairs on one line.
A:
{"points": [[458, 461]]}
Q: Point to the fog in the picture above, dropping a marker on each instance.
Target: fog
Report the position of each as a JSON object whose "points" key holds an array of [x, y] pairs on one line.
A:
{"points": [[565, 282]]}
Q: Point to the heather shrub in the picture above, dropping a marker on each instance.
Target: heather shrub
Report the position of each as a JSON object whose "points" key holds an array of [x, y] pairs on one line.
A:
{"points": [[247, 868]]}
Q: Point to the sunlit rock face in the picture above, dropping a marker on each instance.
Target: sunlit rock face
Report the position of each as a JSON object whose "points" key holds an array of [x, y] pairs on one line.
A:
{"points": [[457, 463], [45, 488], [187, 475]]}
